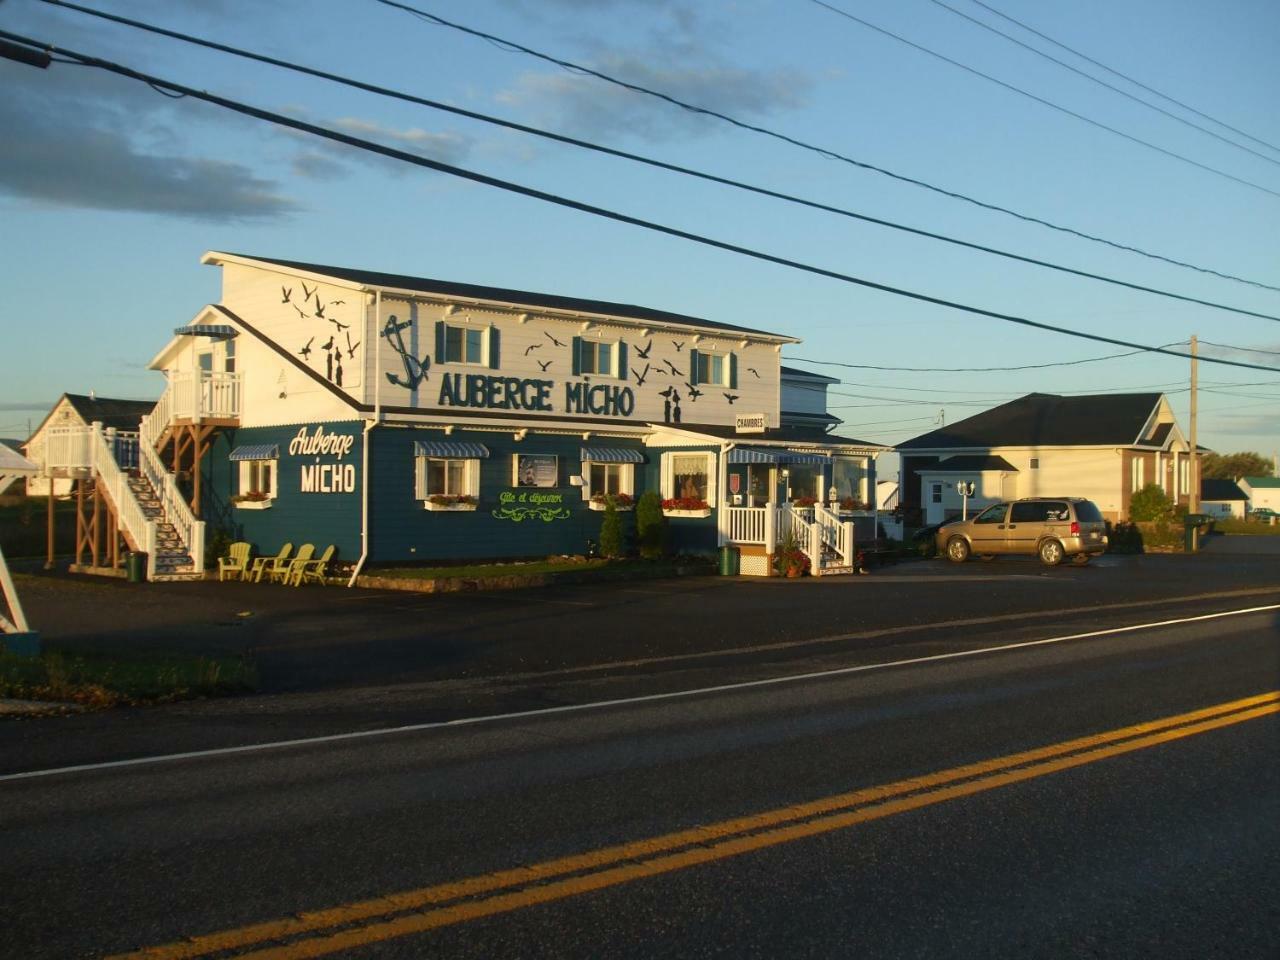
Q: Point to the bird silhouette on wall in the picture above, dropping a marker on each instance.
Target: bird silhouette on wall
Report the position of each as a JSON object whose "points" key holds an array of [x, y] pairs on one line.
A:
{"points": [[340, 326], [694, 392], [640, 377], [644, 354], [351, 347], [548, 335], [336, 303], [545, 365], [320, 308], [306, 294], [731, 397], [287, 292], [302, 313], [678, 345], [533, 346], [673, 368], [670, 405], [753, 370], [327, 346], [305, 352]]}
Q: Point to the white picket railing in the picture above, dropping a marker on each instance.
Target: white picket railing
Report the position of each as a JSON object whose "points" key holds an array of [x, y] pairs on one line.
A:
{"points": [[745, 524], [203, 395], [816, 530], [835, 533], [176, 510]]}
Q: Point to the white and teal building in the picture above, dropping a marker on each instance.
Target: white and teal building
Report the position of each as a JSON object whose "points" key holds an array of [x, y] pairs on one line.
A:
{"points": [[406, 419]]}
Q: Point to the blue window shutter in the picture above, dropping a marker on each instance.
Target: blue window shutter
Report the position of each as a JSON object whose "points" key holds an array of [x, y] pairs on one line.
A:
{"points": [[693, 367], [577, 356], [622, 359], [495, 348], [733, 371], [440, 357]]}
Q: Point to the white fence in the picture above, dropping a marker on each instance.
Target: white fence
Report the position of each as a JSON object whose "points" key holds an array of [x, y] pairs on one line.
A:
{"points": [[203, 396]]}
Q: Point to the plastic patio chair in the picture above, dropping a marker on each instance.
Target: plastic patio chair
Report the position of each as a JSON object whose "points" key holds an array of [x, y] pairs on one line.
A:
{"points": [[269, 565], [236, 562], [284, 573], [312, 569]]}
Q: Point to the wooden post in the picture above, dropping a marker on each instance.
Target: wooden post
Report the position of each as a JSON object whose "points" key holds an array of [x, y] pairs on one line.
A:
{"points": [[48, 563], [95, 548]]}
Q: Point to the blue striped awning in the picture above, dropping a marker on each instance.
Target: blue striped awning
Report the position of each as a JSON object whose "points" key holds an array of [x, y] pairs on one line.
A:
{"points": [[761, 455], [220, 331], [450, 449], [612, 455], [256, 451]]}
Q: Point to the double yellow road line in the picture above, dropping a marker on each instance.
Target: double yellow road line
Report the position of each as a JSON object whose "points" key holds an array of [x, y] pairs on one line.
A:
{"points": [[352, 925]]}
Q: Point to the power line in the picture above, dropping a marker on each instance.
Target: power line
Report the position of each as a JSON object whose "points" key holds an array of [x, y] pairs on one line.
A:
{"points": [[1102, 83], [1228, 346], [1041, 100], [660, 164], [1028, 366], [821, 151], [521, 190], [1124, 76]]}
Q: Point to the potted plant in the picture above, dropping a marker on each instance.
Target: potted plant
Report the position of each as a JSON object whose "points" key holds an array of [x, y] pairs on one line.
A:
{"points": [[447, 502], [686, 507], [790, 561], [253, 500], [621, 501]]}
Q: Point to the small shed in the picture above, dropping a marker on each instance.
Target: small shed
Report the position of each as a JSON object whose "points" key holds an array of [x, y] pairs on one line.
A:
{"points": [[1222, 498]]}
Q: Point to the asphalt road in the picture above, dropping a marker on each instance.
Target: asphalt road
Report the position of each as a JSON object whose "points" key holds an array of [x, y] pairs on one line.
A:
{"points": [[1163, 842]]}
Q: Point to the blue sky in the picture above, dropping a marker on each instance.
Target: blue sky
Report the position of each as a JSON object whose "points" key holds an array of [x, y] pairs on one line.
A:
{"points": [[109, 192]]}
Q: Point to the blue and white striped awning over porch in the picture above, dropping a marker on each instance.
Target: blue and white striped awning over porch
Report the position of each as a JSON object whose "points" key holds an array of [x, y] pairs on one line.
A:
{"points": [[768, 456], [450, 449], [612, 455], [219, 331], [256, 451]]}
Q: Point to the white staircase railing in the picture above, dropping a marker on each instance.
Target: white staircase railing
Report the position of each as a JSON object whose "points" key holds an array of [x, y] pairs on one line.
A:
{"points": [[822, 534], [152, 428]]}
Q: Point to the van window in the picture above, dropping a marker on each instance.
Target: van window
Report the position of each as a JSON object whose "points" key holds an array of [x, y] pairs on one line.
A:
{"points": [[993, 514], [1087, 512]]}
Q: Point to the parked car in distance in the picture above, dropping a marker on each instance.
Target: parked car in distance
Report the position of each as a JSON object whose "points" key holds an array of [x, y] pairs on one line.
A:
{"points": [[1051, 528]]}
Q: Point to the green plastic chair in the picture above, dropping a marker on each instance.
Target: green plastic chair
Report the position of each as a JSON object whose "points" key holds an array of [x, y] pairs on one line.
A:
{"points": [[269, 565], [313, 569], [236, 562], [286, 572]]}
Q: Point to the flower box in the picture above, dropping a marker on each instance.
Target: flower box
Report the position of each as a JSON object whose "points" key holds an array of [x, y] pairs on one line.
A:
{"points": [[450, 506], [599, 506], [252, 504], [704, 512]]}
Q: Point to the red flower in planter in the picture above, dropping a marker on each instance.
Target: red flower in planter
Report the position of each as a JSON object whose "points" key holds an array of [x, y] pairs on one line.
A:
{"points": [[685, 503]]}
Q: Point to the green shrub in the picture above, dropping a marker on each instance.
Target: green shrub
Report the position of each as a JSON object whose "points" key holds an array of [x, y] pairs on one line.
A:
{"points": [[651, 526], [611, 531], [1150, 503]]}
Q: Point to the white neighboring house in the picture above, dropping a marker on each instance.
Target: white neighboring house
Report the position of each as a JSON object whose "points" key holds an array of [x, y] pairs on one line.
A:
{"points": [[1101, 446], [81, 410], [1222, 498], [1263, 492]]}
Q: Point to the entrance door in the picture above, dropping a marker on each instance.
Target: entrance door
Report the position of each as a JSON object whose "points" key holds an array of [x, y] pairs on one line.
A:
{"points": [[988, 529]]}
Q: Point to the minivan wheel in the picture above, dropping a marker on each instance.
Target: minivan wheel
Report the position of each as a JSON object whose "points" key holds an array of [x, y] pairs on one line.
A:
{"points": [[957, 550], [1051, 553]]}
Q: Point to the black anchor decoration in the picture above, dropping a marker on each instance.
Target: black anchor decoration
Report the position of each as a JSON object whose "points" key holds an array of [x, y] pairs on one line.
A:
{"points": [[644, 354], [731, 397], [415, 370], [640, 377]]}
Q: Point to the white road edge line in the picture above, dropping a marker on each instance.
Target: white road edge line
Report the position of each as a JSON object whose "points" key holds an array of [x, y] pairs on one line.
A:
{"points": [[625, 701]]}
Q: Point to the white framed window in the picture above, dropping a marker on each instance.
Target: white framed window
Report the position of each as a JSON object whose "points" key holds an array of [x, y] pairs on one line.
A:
{"points": [[598, 358], [689, 476], [465, 344], [603, 479], [258, 480], [713, 369], [936, 493], [1137, 468], [444, 476]]}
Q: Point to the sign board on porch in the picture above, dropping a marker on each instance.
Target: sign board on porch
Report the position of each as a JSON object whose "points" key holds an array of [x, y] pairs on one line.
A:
{"points": [[750, 422]]}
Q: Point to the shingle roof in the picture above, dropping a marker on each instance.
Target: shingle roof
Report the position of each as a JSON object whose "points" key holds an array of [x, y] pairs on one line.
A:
{"points": [[1263, 483], [783, 434], [971, 464], [373, 278], [1044, 419], [121, 414], [1211, 489]]}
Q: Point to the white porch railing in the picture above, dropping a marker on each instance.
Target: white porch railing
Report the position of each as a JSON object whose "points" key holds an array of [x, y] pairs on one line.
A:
{"points": [[835, 533], [818, 531], [176, 510], [88, 449], [745, 524], [203, 396]]}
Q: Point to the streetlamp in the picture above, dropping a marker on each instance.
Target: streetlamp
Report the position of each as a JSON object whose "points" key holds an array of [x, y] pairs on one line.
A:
{"points": [[965, 489]]}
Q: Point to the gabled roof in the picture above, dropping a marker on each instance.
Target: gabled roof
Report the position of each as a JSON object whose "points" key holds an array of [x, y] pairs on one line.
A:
{"points": [[792, 373], [1220, 490], [1263, 483], [1047, 420], [393, 281], [786, 433], [112, 412], [971, 464]]}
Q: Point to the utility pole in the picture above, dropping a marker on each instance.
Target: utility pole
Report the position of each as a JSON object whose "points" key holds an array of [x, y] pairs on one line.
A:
{"points": [[1193, 504]]}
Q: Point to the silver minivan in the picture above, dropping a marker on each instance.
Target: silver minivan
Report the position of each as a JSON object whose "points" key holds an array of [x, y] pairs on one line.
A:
{"points": [[1051, 528]]}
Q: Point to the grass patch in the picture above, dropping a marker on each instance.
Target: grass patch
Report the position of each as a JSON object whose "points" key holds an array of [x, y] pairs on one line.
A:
{"points": [[106, 680], [478, 570], [1246, 528]]}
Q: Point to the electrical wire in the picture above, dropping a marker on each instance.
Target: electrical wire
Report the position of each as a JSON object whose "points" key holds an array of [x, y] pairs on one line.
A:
{"points": [[1124, 76], [638, 158], [1228, 346], [826, 152], [1026, 366], [521, 190], [1041, 100], [1102, 83]]}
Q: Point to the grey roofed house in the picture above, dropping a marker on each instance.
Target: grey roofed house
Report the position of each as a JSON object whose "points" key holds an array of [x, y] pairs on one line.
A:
{"points": [[1049, 420], [80, 410], [1221, 490]]}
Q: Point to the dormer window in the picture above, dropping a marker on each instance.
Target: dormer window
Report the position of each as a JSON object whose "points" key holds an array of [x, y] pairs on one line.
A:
{"points": [[601, 358], [467, 343]]}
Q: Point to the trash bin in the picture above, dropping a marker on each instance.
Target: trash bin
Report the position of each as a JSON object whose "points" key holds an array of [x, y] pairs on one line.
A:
{"points": [[135, 565], [728, 561]]}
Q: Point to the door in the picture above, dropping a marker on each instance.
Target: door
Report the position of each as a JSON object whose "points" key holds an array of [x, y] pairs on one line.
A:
{"points": [[988, 530]]}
